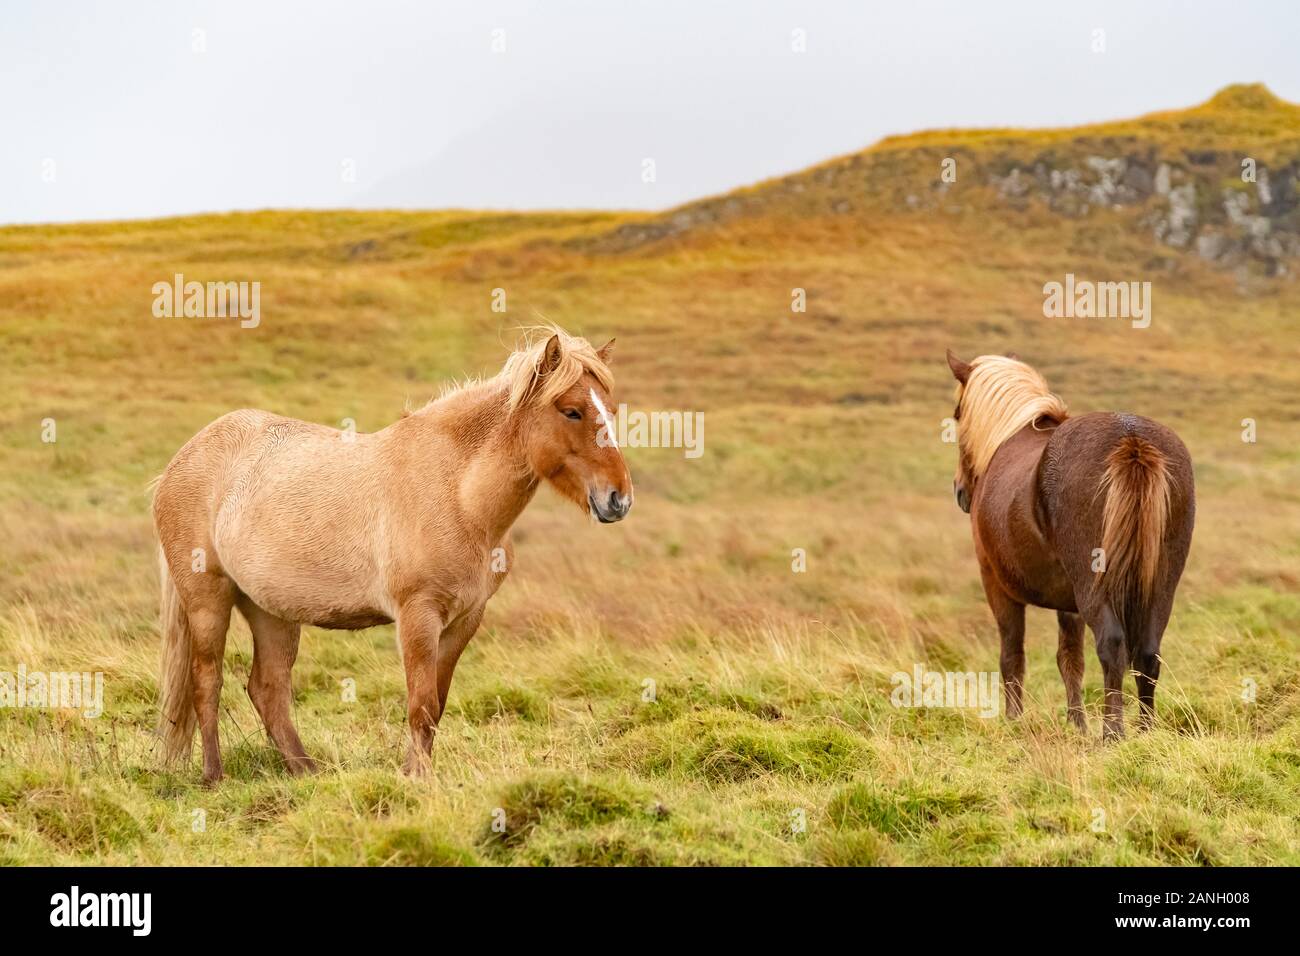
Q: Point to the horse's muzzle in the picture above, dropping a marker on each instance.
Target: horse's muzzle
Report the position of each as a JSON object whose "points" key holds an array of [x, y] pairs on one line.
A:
{"points": [[609, 509]]}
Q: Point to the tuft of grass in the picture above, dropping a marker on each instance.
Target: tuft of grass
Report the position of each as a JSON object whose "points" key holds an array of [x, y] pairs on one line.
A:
{"points": [[906, 811], [602, 820], [380, 796], [415, 845], [75, 819], [503, 701], [726, 747], [563, 801], [1169, 835]]}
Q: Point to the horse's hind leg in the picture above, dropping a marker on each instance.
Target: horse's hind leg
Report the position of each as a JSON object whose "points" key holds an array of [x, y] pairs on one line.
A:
{"points": [[1069, 661], [208, 604], [1147, 665], [1112, 650], [275, 648], [1146, 660]]}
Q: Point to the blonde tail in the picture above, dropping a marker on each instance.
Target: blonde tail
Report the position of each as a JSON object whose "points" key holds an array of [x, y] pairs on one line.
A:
{"points": [[1137, 487], [176, 684]]}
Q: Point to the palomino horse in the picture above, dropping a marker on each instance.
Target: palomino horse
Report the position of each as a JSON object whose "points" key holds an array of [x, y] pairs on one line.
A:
{"points": [[1045, 492], [295, 523]]}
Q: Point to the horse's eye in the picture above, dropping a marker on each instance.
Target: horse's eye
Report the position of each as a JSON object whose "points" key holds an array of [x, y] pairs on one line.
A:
{"points": [[573, 414]]}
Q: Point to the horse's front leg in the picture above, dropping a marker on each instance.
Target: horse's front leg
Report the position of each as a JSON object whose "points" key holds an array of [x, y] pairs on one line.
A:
{"points": [[1010, 615], [419, 627], [452, 642]]}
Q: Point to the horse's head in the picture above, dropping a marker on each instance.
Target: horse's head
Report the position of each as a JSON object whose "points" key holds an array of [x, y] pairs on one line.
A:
{"points": [[963, 482], [561, 393], [997, 396]]}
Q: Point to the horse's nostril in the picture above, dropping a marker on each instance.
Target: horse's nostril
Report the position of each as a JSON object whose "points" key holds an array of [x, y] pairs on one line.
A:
{"points": [[614, 504]]}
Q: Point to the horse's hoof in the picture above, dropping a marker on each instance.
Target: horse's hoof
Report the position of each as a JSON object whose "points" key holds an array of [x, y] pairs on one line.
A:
{"points": [[301, 766], [417, 767]]}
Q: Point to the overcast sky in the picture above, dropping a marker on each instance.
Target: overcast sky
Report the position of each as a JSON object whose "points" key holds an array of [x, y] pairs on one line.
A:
{"points": [[161, 107]]}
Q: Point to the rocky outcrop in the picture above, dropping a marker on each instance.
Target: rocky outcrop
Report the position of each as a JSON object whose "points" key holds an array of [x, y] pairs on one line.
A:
{"points": [[1199, 202], [1173, 174]]}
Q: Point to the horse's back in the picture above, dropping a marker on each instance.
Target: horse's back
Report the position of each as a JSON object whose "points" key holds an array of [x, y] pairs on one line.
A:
{"points": [[215, 471], [1072, 482], [1074, 461], [289, 510], [189, 489]]}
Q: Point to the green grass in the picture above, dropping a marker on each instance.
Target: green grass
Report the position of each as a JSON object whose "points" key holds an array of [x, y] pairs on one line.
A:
{"points": [[770, 737]]}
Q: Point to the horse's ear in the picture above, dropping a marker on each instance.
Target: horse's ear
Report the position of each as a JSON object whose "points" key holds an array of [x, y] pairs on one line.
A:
{"points": [[1015, 356], [960, 369], [551, 356], [606, 351]]}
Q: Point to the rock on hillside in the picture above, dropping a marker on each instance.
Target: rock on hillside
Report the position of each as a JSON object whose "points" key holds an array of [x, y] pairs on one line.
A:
{"points": [[1218, 181]]}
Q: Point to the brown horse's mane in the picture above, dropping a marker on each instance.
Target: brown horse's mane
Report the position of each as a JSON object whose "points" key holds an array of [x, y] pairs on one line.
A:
{"points": [[1001, 396]]}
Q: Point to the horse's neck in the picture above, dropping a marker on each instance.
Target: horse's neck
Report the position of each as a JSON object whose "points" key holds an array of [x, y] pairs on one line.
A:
{"points": [[492, 481], [496, 485], [1017, 460]]}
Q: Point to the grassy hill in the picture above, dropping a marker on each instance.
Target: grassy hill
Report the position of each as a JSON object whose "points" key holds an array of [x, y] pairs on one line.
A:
{"points": [[823, 432]]}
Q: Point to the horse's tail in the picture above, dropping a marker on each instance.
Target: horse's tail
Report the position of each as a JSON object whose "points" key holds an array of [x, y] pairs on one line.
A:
{"points": [[175, 682], [1137, 486]]}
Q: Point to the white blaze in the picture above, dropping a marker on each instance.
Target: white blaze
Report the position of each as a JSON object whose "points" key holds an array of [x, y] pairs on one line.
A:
{"points": [[604, 417]]}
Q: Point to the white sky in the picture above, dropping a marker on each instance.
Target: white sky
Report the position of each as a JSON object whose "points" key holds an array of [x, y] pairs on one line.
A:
{"points": [[136, 123]]}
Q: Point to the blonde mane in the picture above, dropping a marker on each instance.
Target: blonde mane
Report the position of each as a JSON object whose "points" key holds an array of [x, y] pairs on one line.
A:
{"points": [[1001, 396], [522, 372]]}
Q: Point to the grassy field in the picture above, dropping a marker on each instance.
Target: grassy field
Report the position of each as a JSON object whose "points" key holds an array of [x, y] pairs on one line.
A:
{"points": [[772, 738]]}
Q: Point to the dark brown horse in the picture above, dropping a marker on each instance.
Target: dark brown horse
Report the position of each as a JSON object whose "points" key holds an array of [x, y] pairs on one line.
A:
{"points": [[1089, 516]]}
